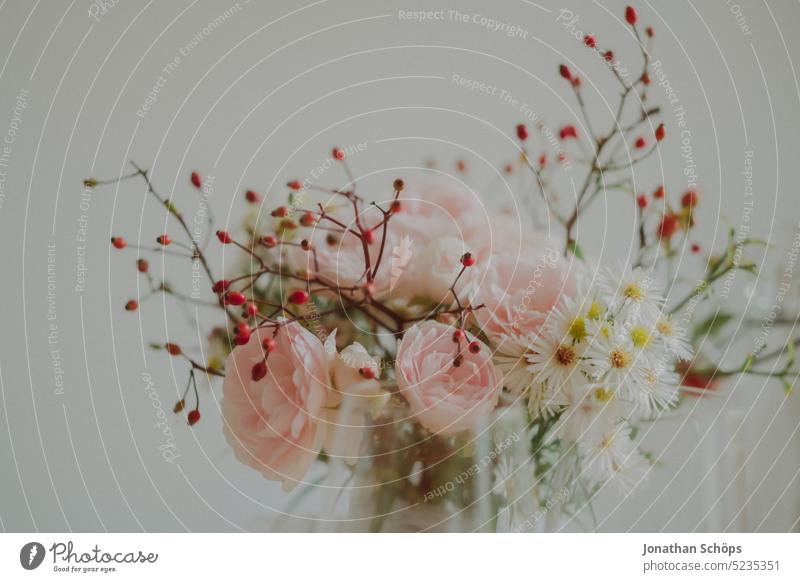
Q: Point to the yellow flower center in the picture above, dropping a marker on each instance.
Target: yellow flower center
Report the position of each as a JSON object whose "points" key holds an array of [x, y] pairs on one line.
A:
{"points": [[565, 355], [608, 441], [595, 310], [603, 395], [619, 359], [577, 329], [665, 327], [633, 291], [640, 337]]}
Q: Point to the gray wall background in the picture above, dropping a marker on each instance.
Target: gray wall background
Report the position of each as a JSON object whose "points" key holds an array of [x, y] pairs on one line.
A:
{"points": [[260, 98]]}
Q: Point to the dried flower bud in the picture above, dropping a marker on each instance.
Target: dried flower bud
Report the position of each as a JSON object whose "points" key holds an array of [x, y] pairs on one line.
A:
{"points": [[660, 132], [630, 15], [132, 305], [118, 242], [522, 132], [398, 185], [298, 297], [164, 240], [193, 417], [179, 405], [173, 349], [269, 241], [142, 265], [224, 237], [564, 71], [252, 197], [589, 41]]}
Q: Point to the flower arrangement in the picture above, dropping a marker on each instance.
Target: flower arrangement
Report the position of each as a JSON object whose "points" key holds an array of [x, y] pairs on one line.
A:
{"points": [[393, 332]]}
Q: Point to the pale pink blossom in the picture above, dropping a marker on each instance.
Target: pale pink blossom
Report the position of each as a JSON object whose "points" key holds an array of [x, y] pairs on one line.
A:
{"points": [[276, 424], [443, 397]]}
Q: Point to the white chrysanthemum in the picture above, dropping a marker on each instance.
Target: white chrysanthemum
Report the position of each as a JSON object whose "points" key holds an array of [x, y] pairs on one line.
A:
{"points": [[586, 410], [570, 318], [612, 358], [612, 454], [633, 296], [513, 359], [674, 338], [658, 389], [556, 361]]}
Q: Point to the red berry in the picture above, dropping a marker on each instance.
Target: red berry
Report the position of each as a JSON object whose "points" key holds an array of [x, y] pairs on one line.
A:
{"points": [[369, 236], [630, 15], [164, 240], [568, 131], [118, 242], [458, 335], [269, 241], [396, 206], [241, 339], [668, 226], [268, 344], [338, 153], [690, 199], [659, 193], [608, 55], [132, 305], [142, 265], [642, 201], [367, 372], [193, 417], [197, 183], [467, 259], [564, 71], [234, 298], [695, 248], [224, 237], [242, 328], [522, 132], [640, 143], [251, 309], [173, 349], [474, 347], [307, 219], [589, 41], [252, 196], [220, 286], [305, 245], [295, 184], [259, 371], [660, 132], [298, 297], [280, 212]]}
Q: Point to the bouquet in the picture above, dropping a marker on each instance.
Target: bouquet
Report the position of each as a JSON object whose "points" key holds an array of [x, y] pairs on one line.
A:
{"points": [[447, 362]]}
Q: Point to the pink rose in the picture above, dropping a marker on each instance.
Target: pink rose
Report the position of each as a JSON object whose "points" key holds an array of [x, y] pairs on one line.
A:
{"points": [[276, 424], [445, 398], [518, 291]]}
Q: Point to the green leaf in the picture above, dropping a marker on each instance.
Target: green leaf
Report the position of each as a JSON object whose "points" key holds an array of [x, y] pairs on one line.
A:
{"points": [[711, 326]]}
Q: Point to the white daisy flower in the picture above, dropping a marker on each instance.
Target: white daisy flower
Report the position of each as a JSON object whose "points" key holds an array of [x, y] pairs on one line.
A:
{"points": [[588, 408], [658, 389], [674, 338], [556, 361], [612, 358], [633, 296], [612, 454]]}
